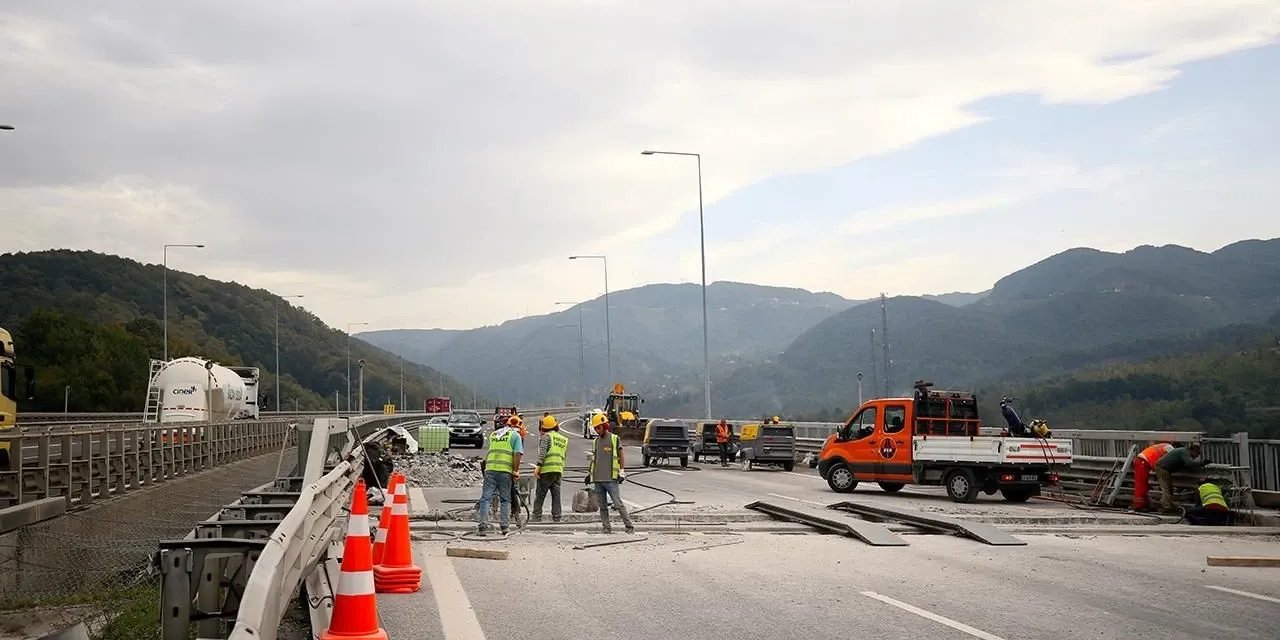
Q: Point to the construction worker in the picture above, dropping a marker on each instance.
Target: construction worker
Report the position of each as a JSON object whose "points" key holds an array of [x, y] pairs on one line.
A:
{"points": [[776, 420], [1142, 466], [524, 433], [501, 470], [1178, 459], [1213, 509], [553, 449], [723, 437], [607, 470]]}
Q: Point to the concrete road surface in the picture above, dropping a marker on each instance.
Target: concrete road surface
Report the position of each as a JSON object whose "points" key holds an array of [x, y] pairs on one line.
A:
{"points": [[816, 586]]}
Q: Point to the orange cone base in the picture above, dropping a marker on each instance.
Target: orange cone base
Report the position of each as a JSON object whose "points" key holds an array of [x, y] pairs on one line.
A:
{"points": [[381, 572], [378, 634], [399, 588]]}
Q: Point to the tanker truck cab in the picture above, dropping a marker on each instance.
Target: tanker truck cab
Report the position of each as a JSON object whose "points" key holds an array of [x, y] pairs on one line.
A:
{"points": [[935, 438], [11, 392]]}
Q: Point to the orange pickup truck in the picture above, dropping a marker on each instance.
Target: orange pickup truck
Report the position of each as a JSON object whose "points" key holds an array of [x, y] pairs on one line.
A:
{"points": [[935, 438]]}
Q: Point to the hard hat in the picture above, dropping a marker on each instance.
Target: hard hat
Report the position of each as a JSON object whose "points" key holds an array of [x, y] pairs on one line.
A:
{"points": [[598, 419], [513, 421], [777, 419]]}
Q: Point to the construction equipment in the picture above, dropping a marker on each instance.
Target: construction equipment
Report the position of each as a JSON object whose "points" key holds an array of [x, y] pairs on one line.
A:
{"points": [[10, 393], [768, 444], [934, 438], [663, 440], [623, 411]]}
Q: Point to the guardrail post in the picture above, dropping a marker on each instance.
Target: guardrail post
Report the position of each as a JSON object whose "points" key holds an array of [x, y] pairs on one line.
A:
{"points": [[175, 580], [1242, 441]]}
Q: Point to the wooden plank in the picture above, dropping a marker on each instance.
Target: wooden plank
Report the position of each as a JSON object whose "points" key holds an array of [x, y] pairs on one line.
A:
{"points": [[1242, 561], [466, 552]]}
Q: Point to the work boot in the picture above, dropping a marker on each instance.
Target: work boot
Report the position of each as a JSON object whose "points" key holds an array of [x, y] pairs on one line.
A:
{"points": [[537, 517], [631, 529], [606, 529], [556, 518], [504, 531], [482, 530]]}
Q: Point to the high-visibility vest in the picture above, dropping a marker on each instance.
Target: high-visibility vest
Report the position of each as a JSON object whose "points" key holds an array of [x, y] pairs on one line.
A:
{"points": [[556, 452], [502, 454], [613, 442], [548, 422], [722, 433], [1153, 453], [1211, 495]]}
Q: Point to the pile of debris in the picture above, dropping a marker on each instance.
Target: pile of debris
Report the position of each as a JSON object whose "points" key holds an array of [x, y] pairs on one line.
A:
{"points": [[440, 470]]}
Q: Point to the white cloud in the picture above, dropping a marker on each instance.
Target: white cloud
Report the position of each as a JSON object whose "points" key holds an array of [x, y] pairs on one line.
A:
{"points": [[428, 164]]}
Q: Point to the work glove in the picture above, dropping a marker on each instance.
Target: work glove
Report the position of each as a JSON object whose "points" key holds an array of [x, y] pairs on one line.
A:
{"points": [[622, 476], [586, 479], [537, 472]]}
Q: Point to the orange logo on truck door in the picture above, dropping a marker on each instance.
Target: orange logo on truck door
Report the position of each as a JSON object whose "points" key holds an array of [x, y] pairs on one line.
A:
{"points": [[887, 449]]}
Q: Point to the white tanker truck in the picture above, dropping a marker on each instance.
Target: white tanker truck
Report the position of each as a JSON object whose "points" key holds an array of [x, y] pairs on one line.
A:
{"points": [[198, 390]]}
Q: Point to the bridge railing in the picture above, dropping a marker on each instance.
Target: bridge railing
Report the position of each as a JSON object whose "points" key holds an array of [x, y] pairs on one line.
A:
{"points": [[90, 461]]}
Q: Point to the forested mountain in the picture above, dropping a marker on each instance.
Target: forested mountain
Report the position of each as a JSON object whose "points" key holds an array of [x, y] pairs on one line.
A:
{"points": [[656, 341], [92, 321], [1079, 309]]}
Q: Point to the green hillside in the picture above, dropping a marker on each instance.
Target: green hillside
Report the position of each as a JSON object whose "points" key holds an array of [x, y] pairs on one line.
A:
{"points": [[92, 321]]}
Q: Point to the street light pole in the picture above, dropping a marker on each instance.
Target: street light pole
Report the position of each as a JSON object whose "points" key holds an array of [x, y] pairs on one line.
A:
{"points": [[165, 294], [402, 383], [582, 367], [702, 241], [277, 305], [349, 325], [608, 338], [66, 399], [360, 363]]}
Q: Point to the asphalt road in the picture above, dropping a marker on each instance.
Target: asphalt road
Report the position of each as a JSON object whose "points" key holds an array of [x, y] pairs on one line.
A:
{"points": [[816, 586]]}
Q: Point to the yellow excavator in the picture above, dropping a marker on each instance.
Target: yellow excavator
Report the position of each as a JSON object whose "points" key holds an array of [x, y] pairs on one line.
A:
{"points": [[623, 411]]}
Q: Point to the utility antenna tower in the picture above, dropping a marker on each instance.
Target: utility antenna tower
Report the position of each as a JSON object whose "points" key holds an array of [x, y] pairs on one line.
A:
{"points": [[884, 341]]}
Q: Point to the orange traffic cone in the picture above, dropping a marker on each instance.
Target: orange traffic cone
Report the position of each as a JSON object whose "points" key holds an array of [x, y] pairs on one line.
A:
{"points": [[355, 607], [397, 573], [384, 519]]}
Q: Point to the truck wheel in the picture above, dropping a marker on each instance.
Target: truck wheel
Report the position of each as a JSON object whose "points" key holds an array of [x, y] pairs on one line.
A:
{"points": [[788, 466], [892, 487], [961, 485], [1017, 494], [840, 478], [684, 462]]}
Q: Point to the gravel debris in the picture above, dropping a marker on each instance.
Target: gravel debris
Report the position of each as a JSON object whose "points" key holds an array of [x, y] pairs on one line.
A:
{"points": [[440, 470]]}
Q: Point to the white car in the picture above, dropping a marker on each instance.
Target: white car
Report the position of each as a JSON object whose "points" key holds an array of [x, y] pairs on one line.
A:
{"points": [[587, 431]]}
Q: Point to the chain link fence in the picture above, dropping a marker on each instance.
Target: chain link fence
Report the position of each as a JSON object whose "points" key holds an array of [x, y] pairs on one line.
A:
{"points": [[93, 566]]}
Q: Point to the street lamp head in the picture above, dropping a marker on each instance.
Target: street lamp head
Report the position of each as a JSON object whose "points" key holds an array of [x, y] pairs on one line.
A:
{"points": [[6, 127], [199, 246], [646, 153]]}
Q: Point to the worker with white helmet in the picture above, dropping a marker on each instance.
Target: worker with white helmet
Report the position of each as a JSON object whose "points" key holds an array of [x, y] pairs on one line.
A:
{"points": [[501, 470]]}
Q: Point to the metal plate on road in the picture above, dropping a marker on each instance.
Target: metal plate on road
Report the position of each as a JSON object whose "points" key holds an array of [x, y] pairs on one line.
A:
{"points": [[869, 532], [978, 531]]}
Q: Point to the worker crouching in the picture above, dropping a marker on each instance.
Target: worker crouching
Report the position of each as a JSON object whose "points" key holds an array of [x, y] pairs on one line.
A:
{"points": [[554, 449], [607, 470]]}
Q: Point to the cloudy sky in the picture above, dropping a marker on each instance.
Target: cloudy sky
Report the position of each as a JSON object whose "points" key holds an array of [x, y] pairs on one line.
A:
{"points": [[423, 164]]}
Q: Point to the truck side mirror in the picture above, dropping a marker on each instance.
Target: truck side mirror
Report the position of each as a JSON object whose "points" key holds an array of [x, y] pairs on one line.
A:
{"points": [[30, 373]]}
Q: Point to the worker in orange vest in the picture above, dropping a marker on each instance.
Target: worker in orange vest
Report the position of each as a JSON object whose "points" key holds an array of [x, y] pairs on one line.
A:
{"points": [[1142, 466], [723, 436]]}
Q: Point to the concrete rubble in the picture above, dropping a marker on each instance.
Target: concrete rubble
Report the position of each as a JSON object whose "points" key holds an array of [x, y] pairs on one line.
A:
{"points": [[440, 470]]}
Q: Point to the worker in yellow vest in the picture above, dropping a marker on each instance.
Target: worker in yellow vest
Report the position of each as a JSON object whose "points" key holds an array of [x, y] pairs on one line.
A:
{"points": [[607, 470], [501, 470], [553, 450], [1213, 509]]}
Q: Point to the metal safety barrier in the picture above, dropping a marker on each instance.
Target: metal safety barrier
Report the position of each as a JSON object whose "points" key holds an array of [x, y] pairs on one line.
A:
{"points": [[91, 463]]}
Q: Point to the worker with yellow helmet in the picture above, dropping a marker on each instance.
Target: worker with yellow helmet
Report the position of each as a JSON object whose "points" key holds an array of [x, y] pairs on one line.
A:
{"points": [[607, 469], [554, 449]]}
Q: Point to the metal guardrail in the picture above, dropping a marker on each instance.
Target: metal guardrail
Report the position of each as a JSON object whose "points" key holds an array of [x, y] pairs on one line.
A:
{"points": [[87, 464]]}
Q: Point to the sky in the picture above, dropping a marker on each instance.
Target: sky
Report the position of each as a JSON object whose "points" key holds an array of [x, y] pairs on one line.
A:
{"points": [[433, 164]]}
